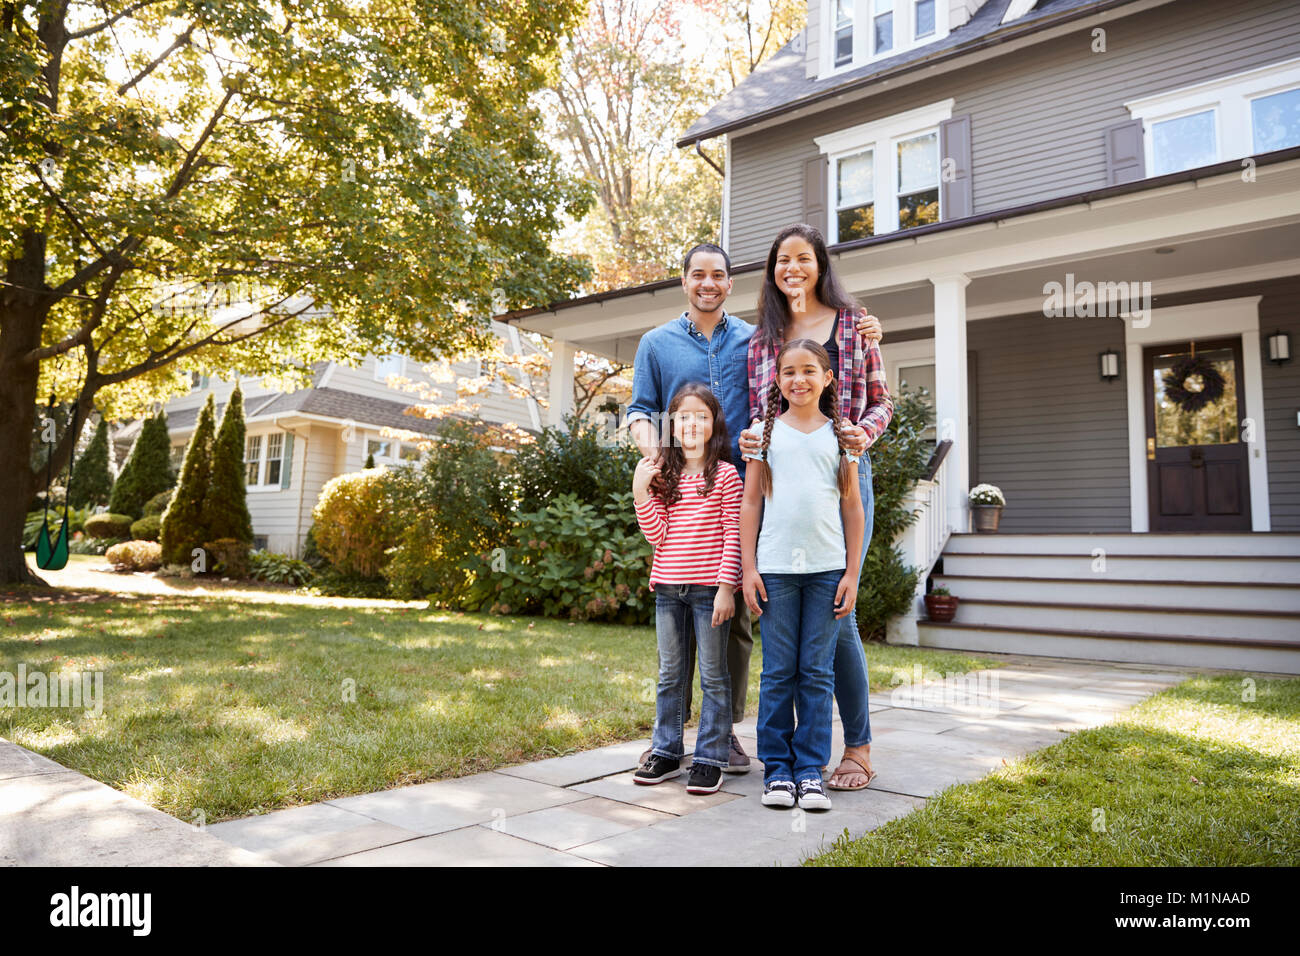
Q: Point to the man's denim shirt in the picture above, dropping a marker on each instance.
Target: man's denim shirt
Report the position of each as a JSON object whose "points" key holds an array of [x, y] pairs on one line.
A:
{"points": [[676, 353]]}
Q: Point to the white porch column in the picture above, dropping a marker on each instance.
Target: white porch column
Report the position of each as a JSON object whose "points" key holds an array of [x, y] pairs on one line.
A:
{"points": [[952, 412], [561, 384]]}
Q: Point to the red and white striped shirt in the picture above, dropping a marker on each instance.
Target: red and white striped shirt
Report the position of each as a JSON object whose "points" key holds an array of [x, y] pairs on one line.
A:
{"points": [[697, 540]]}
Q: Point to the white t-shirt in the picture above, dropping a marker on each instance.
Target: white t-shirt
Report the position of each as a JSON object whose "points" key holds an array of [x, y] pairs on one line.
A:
{"points": [[802, 530]]}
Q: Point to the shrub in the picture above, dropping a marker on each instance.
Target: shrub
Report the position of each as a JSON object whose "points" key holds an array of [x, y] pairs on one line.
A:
{"points": [[147, 470], [91, 482], [569, 559], [225, 506], [898, 459], [147, 528], [278, 568], [183, 521], [109, 525], [227, 557], [135, 556], [85, 545], [310, 552], [159, 502], [357, 522], [582, 461], [457, 504]]}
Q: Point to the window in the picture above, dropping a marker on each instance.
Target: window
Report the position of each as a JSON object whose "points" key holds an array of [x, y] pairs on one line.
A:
{"points": [[889, 27], [884, 175], [918, 180], [843, 32], [855, 196], [410, 453], [378, 447], [924, 19], [884, 26], [274, 458], [264, 460], [252, 459], [388, 365], [1227, 118]]}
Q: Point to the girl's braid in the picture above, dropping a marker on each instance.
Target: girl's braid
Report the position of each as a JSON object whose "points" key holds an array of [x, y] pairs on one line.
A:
{"points": [[769, 417], [832, 392]]}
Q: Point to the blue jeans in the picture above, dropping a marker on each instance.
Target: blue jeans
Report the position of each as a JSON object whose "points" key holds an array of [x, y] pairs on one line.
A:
{"points": [[676, 607], [798, 627], [850, 660]]}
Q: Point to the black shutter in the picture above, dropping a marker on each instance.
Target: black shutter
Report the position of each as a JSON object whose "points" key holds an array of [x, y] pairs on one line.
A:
{"points": [[814, 193], [955, 198], [1125, 158]]}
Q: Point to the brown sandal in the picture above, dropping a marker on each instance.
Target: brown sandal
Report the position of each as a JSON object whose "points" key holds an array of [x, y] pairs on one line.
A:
{"points": [[867, 771]]}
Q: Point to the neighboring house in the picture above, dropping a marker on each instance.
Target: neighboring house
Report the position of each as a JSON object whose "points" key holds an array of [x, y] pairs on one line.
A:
{"points": [[296, 442], [1048, 205]]}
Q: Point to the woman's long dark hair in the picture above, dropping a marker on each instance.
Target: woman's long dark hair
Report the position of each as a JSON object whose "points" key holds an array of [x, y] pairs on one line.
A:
{"points": [[774, 307], [665, 485]]}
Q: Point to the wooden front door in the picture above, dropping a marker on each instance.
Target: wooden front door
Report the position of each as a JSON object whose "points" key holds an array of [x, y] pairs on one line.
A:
{"points": [[1197, 477]]}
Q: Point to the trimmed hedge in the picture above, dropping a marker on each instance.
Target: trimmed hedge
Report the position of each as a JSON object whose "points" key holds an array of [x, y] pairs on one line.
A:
{"points": [[147, 528], [135, 556], [109, 525]]}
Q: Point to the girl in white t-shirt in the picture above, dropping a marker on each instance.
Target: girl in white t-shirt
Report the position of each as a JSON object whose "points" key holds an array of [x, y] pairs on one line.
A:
{"points": [[803, 488]]}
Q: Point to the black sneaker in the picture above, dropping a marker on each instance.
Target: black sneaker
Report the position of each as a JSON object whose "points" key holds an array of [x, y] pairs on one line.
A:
{"points": [[812, 795], [778, 793], [704, 778], [657, 769]]}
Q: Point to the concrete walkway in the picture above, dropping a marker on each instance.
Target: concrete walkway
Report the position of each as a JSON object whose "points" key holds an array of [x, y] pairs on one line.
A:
{"points": [[584, 809]]}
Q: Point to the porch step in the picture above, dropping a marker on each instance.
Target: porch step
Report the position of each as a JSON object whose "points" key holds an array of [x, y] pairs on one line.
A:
{"points": [[1210, 544], [1273, 657], [1227, 623], [1268, 569], [1178, 594], [1208, 600]]}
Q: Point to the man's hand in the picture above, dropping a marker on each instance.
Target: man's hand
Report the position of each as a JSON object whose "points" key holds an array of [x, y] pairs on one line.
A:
{"points": [[869, 327], [724, 604], [646, 469]]}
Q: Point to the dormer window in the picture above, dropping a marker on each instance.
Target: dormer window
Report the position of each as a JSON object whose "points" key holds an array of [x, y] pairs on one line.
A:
{"points": [[889, 27]]}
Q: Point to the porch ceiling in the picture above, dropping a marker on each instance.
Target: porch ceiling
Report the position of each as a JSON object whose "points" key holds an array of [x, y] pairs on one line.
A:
{"points": [[1220, 228]]}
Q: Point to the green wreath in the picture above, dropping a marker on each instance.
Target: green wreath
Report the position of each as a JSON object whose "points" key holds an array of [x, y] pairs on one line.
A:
{"points": [[1176, 389]]}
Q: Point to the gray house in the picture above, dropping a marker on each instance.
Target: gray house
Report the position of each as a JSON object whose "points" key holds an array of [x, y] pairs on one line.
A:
{"points": [[1056, 208]]}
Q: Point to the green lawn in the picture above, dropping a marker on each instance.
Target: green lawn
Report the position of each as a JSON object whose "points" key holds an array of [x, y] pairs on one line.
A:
{"points": [[1194, 776], [235, 707]]}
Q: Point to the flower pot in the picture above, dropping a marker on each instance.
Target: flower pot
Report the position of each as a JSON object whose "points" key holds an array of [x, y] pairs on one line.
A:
{"points": [[941, 607], [986, 517]]}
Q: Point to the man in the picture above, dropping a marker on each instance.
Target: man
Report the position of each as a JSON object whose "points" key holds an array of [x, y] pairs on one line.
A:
{"points": [[705, 344]]}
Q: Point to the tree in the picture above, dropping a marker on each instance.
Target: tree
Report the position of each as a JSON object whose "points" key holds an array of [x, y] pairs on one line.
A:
{"points": [[225, 506], [257, 185], [147, 471], [92, 483], [184, 527]]}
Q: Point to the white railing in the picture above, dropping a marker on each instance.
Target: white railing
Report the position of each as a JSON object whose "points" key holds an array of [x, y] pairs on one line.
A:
{"points": [[921, 544]]}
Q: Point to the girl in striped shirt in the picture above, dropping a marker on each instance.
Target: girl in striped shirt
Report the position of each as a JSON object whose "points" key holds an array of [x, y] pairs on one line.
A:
{"points": [[688, 507]]}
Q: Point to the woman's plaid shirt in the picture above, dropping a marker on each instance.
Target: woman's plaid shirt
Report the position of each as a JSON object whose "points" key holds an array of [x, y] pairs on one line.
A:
{"points": [[865, 402]]}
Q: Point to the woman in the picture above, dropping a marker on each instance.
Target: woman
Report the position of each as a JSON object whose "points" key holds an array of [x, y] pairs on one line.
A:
{"points": [[802, 298]]}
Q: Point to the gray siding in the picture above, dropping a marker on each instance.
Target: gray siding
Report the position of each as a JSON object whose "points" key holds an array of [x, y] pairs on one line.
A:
{"points": [[1051, 434], [1038, 116]]}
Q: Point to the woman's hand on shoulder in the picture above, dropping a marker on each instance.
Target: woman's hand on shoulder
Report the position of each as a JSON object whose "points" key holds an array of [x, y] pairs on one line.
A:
{"points": [[751, 439], [869, 327]]}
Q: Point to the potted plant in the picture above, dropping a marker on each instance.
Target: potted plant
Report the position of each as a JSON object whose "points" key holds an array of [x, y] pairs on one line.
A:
{"points": [[940, 605], [986, 504]]}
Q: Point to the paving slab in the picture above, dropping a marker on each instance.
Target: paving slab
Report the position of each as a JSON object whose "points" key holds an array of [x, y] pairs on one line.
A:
{"points": [[586, 821], [470, 846], [303, 835], [18, 761], [581, 767], [668, 797], [429, 808]]}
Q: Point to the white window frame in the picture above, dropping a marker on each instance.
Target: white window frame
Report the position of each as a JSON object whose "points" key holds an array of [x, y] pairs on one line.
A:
{"points": [[1230, 98], [882, 136], [496, 386], [864, 32], [263, 460], [380, 374]]}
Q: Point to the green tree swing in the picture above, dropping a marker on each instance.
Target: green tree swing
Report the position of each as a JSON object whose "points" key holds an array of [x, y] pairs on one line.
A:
{"points": [[52, 554]]}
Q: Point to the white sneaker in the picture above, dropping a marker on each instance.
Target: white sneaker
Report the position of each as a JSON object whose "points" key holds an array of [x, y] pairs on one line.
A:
{"points": [[778, 793], [812, 795]]}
